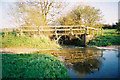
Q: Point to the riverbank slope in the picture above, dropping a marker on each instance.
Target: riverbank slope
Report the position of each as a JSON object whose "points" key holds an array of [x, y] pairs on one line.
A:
{"points": [[109, 38]]}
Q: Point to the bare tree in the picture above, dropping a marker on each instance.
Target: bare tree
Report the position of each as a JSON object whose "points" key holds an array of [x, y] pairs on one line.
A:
{"points": [[39, 12]]}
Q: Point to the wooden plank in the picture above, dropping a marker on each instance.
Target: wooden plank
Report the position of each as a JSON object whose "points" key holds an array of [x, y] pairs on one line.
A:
{"points": [[78, 29], [63, 29], [62, 34], [78, 33], [48, 30], [29, 30], [90, 28], [39, 30]]}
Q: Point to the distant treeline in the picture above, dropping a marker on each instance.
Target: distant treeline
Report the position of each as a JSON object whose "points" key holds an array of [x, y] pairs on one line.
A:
{"points": [[114, 26]]}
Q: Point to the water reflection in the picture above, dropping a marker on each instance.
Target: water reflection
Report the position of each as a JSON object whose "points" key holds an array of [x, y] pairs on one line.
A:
{"points": [[82, 61], [89, 62], [87, 67]]}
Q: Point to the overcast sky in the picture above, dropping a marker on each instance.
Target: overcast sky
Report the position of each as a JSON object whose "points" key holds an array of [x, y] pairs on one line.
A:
{"points": [[109, 9]]}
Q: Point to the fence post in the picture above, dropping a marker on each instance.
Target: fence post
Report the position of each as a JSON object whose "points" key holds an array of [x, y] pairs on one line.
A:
{"points": [[41, 27], [97, 32], [56, 32], [6, 31], [71, 31], [14, 31], [102, 31], [86, 30], [39, 30], [21, 31], [92, 32]]}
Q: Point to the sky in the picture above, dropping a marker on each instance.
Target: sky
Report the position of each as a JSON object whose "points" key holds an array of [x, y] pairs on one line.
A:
{"points": [[109, 9]]}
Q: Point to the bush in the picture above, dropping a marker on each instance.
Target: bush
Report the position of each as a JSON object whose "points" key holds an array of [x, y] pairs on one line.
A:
{"points": [[118, 26]]}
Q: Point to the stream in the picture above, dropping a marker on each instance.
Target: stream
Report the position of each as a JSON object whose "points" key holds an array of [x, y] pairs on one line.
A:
{"points": [[89, 62]]}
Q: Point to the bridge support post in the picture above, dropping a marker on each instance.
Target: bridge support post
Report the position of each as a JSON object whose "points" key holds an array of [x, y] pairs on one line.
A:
{"points": [[83, 40]]}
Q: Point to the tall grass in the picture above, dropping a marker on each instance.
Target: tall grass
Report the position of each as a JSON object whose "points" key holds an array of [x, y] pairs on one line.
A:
{"points": [[110, 37], [39, 42]]}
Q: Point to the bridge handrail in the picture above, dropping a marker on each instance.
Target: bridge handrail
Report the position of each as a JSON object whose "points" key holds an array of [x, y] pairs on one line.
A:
{"points": [[54, 28], [60, 26]]}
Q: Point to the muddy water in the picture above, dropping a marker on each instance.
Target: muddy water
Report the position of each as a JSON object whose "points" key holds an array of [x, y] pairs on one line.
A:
{"points": [[89, 62]]}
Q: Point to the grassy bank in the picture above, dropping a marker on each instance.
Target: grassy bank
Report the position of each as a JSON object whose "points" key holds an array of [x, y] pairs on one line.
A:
{"points": [[32, 66], [38, 42], [109, 38]]}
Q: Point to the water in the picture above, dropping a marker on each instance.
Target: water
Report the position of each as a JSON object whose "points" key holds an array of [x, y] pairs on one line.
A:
{"points": [[90, 62]]}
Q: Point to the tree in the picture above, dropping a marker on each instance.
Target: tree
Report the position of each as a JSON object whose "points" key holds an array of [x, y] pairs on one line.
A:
{"points": [[37, 12], [82, 15]]}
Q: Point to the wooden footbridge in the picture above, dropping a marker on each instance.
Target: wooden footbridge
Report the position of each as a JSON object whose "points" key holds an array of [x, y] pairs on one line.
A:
{"points": [[57, 32]]}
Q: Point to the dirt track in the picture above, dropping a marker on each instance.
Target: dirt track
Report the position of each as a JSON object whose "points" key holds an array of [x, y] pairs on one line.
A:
{"points": [[17, 50], [28, 50]]}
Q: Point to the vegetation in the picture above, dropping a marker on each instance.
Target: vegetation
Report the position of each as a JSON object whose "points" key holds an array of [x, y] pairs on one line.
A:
{"points": [[118, 26], [38, 42], [110, 37], [107, 26], [36, 13], [32, 66], [114, 26], [82, 15]]}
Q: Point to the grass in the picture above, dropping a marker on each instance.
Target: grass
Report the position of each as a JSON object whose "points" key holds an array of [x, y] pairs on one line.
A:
{"points": [[32, 66], [39, 42], [109, 38]]}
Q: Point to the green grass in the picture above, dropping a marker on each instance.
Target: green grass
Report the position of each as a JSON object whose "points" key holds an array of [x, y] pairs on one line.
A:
{"points": [[109, 38], [39, 42], [32, 66]]}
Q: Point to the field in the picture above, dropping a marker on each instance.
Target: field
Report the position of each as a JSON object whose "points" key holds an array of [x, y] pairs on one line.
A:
{"points": [[38, 42], [110, 37], [32, 66]]}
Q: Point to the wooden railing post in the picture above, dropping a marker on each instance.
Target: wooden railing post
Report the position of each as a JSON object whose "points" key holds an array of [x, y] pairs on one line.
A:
{"points": [[14, 31], [56, 32], [86, 30], [97, 31], [71, 31], [21, 31], [102, 31], [39, 30], [6, 31], [41, 27], [92, 32]]}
